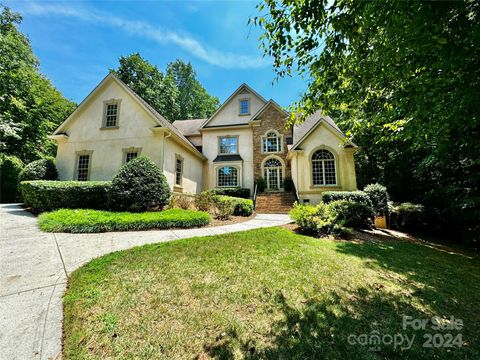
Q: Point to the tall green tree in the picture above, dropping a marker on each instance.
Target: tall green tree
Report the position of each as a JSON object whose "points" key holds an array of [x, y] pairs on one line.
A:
{"points": [[403, 79], [193, 99], [30, 106]]}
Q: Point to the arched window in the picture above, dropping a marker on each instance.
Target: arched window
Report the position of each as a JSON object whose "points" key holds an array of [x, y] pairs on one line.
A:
{"points": [[271, 142], [227, 176], [273, 173], [323, 168]]}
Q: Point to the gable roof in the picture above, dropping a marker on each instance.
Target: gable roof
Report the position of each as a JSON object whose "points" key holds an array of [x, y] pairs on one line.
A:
{"points": [[269, 103], [303, 130], [189, 127], [235, 93], [159, 119]]}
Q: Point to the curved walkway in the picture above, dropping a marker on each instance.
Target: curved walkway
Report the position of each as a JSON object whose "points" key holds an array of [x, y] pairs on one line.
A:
{"points": [[34, 267]]}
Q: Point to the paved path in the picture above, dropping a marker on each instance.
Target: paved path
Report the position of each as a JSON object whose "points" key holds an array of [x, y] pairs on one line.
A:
{"points": [[34, 267]]}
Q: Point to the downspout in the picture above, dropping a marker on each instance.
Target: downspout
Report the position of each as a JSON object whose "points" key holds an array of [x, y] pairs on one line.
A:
{"points": [[163, 149], [296, 175]]}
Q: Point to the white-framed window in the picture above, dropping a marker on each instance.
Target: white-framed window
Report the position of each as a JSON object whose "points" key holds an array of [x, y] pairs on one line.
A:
{"points": [[227, 176], [82, 167], [178, 170], [111, 112], [228, 145], [244, 107], [323, 168], [271, 142], [130, 155]]}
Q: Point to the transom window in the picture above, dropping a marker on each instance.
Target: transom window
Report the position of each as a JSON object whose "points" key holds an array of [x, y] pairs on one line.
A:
{"points": [[244, 107], [130, 156], [82, 167], [272, 143], [228, 145], [227, 176], [178, 171], [323, 168]]}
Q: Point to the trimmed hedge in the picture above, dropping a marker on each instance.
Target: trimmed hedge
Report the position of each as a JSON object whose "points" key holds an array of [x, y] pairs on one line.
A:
{"points": [[43, 169], [94, 221], [234, 192], [241, 207], [356, 196], [352, 214], [379, 197], [10, 168], [46, 195]]}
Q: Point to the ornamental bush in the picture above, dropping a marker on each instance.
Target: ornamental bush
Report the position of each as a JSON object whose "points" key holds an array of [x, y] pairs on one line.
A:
{"points": [[241, 207], [261, 184], [205, 201], [235, 192], [46, 195], [43, 169], [356, 196], [379, 197], [317, 220], [406, 216], [352, 214], [10, 168], [224, 207], [139, 185]]}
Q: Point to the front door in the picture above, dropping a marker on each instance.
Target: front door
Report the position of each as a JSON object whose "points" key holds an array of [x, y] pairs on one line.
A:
{"points": [[273, 172]]}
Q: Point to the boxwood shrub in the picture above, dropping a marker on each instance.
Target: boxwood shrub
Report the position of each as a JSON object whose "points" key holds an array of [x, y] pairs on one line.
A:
{"points": [[352, 214], [379, 197], [241, 207], [43, 169], [10, 168], [235, 192], [356, 196], [94, 221], [46, 195]]}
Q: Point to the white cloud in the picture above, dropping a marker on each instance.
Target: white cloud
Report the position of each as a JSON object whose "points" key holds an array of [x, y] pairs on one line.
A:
{"points": [[143, 29]]}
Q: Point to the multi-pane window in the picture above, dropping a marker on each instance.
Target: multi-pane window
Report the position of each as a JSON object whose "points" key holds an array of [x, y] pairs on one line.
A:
{"points": [[82, 167], [273, 173], [130, 156], [272, 143], [228, 145], [178, 171], [227, 176], [111, 115], [323, 168], [244, 107]]}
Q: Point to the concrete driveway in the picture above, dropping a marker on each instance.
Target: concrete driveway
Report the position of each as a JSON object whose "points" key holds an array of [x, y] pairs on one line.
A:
{"points": [[34, 267]]}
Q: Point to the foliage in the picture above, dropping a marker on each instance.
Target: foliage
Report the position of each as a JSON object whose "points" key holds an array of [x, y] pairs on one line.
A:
{"points": [[205, 201], [235, 192], [261, 184], [45, 195], [241, 207], [177, 94], [288, 184], [94, 221], [356, 196], [181, 201], [42, 169], [317, 220], [10, 168], [30, 106], [352, 214], [224, 207], [139, 185], [406, 216], [402, 78], [379, 197]]}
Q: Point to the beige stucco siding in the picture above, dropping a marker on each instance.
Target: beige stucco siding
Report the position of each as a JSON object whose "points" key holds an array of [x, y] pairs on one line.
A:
{"points": [[210, 150], [229, 114], [322, 137]]}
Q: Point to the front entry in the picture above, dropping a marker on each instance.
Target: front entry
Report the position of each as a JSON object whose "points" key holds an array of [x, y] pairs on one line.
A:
{"points": [[273, 174]]}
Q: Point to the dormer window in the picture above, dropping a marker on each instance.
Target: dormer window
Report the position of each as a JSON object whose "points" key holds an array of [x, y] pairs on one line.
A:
{"points": [[244, 107], [111, 113]]}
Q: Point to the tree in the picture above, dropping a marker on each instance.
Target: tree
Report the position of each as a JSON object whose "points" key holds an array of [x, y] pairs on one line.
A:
{"points": [[403, 79], [30, 106], [193, 99]]}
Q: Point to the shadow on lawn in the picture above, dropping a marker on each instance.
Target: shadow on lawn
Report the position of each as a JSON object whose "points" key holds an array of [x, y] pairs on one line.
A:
{"points": [[439, 284]]}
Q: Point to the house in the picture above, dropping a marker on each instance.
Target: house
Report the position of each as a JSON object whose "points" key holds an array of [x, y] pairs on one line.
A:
{"points": [[243, 140]]}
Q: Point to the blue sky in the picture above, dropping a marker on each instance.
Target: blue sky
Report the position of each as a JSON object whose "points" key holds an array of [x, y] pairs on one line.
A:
{"points": [[78, 41]]}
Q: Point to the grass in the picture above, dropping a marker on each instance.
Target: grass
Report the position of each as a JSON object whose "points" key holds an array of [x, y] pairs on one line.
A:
{"points": [[268, 294], [94, 221]]}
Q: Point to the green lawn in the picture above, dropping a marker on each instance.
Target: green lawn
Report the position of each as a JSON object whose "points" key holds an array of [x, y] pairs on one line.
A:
{"points": [[268, 293], [94, 221]]}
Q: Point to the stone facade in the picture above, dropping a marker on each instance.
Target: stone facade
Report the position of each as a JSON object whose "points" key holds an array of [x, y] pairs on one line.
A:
{"points": [[272, 118]]}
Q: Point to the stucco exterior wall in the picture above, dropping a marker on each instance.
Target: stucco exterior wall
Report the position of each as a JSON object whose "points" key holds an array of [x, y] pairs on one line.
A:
{"points": [[210, 150], [322, 137]]}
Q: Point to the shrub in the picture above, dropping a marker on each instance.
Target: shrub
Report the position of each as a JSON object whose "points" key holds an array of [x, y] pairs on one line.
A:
{"points": [[406, 215], [288, 184], [379, 197], [235, 192], [224, 207], [139, 185], [316, 220], [352, 214], [181, 201], [93, 221], [241, 207], [261, 184], [43, 169], [356, 196], [10, 168], [205, 201], [45, 195]]}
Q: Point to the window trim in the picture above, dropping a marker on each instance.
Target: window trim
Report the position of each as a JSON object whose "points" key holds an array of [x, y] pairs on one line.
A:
{"points": [[239, 175], [282, 168], [104, 115], [219, 139], [335, 160], [77, 158], [247, 99], [280, 137], [128, 150], [182, 160]]}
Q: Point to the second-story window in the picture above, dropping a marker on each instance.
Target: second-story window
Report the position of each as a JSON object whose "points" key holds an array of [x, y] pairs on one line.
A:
{"points": [[244, 107], [228, 145], [110, 114], [271, 142]]}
